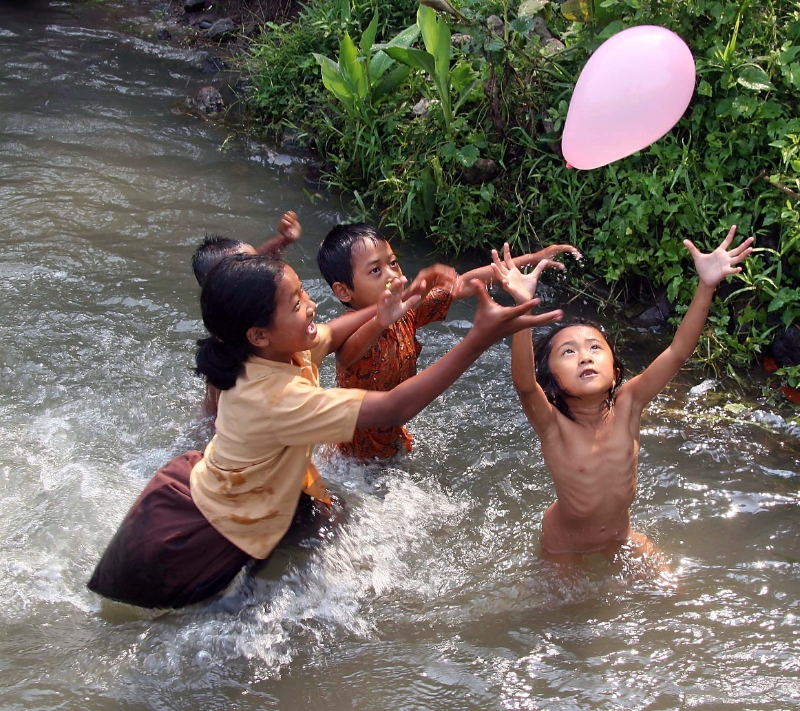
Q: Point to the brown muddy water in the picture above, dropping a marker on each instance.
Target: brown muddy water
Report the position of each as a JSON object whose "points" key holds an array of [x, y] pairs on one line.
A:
{"points": [[432, 596]]}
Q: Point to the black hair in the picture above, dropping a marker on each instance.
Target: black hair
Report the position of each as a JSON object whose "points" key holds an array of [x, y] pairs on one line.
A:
{"points": [[210, 252], [240, 293], [335, 254], [548, 382]]}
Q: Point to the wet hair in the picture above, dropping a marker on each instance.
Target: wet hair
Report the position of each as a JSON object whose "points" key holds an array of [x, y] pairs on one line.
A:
{"points": [[240, 293], [335, 254], [208, 254], [548, 382]]}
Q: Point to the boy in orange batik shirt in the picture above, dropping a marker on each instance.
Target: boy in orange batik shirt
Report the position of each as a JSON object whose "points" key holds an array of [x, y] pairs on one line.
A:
{"points": [[357, 261]]}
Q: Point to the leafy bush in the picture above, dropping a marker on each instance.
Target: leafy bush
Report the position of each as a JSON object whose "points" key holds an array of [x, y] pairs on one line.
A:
{"points": [[732, 159]]}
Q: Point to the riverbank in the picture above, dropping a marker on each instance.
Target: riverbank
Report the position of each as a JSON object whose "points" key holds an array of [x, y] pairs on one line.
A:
{"points": [[632, 228]]}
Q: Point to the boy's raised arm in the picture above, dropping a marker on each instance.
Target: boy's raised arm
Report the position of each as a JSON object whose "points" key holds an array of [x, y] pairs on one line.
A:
{"points": [[712, 268], [393, 304]]}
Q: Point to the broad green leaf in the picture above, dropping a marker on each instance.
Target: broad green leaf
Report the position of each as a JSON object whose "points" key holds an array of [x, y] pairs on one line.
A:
{"points": [[745, 106], [576, 10], [522, 25], [382, 61], [461, 76], [754, 78], [414, 58], [531, 7], [368, 38], [352, 70], [335, 83], [770, 110], [776, 302], [704, 88], [792, 74], [493, 44], [378, 66], [467, 156], [436, 36], [611, 29], [403, 39], [448, 150], [788, 55], [391, 81]]}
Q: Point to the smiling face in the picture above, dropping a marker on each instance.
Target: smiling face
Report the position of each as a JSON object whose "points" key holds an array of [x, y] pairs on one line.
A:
{"points": [[293, 328], [582, 362], [374, 264]]}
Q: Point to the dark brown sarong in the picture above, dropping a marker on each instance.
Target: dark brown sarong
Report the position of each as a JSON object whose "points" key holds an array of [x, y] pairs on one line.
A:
{"points": [[167, 554]]}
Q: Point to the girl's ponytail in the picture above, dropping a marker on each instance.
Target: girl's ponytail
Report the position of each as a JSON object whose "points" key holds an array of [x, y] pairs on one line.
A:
{"points": [[218, 362], [239, 293]]}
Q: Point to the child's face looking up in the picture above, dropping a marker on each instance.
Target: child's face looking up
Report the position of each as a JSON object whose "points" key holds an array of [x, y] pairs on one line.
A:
{"points": [[582, 361], [374, 264], [293, 328]]}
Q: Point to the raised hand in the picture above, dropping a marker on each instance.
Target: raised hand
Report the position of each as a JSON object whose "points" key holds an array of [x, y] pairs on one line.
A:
{"points": [[436, 276], [715, 266], [289, 228], [521, 286], [395, 302], [493, 322]]}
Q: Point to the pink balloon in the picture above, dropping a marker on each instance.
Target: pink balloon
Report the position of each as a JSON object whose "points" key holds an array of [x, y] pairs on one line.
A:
{"points": [[632, 91]]}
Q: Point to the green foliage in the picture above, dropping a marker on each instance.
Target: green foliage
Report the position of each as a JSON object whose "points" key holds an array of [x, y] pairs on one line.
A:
{"points": [[283, 69], [734, 158], [357, 79]]}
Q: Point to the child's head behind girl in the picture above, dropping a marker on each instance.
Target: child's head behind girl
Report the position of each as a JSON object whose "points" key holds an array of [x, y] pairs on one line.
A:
{"points": [[553, 354], [240, 294], [213, 249]]}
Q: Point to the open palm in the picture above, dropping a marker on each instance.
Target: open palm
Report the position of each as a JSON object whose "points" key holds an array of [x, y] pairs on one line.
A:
{"points": [[715, 266], [522, 287]]}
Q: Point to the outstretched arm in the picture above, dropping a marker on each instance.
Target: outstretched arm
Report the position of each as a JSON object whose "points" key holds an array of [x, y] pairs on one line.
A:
{"points": [[486, 274], [712, 268], [537, 407], [341, 328], [492, 323], [289, 232], [393, 304]]}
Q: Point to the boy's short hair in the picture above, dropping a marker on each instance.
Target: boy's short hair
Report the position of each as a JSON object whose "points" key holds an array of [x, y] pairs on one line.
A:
{"points": [[335, 254], [211, 252]]}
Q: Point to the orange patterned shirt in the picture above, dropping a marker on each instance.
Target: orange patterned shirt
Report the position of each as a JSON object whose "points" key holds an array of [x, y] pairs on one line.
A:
{"points": [[391, 360]]}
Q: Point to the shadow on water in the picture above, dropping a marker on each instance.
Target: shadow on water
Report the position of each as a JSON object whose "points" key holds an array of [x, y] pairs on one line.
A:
{"points": [[432, 594]]}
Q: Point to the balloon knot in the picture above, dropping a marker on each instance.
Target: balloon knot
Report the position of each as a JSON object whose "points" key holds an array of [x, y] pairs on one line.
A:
{"points": [[569, 167]]}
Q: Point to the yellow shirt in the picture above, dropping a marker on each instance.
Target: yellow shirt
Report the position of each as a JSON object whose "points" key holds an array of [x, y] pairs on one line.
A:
{"points": [[248, 483]]}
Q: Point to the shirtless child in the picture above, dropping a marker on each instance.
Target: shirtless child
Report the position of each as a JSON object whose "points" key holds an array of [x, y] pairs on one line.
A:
{"points": [[357, 261], [587, 421]]}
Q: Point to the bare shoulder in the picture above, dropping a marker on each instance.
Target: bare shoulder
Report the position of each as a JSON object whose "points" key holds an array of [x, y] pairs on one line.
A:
{"points": [[626, 402], [559, 429]]}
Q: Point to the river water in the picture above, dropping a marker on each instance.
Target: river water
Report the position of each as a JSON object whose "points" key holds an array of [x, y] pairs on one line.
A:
{"points": [[432, 596]]}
